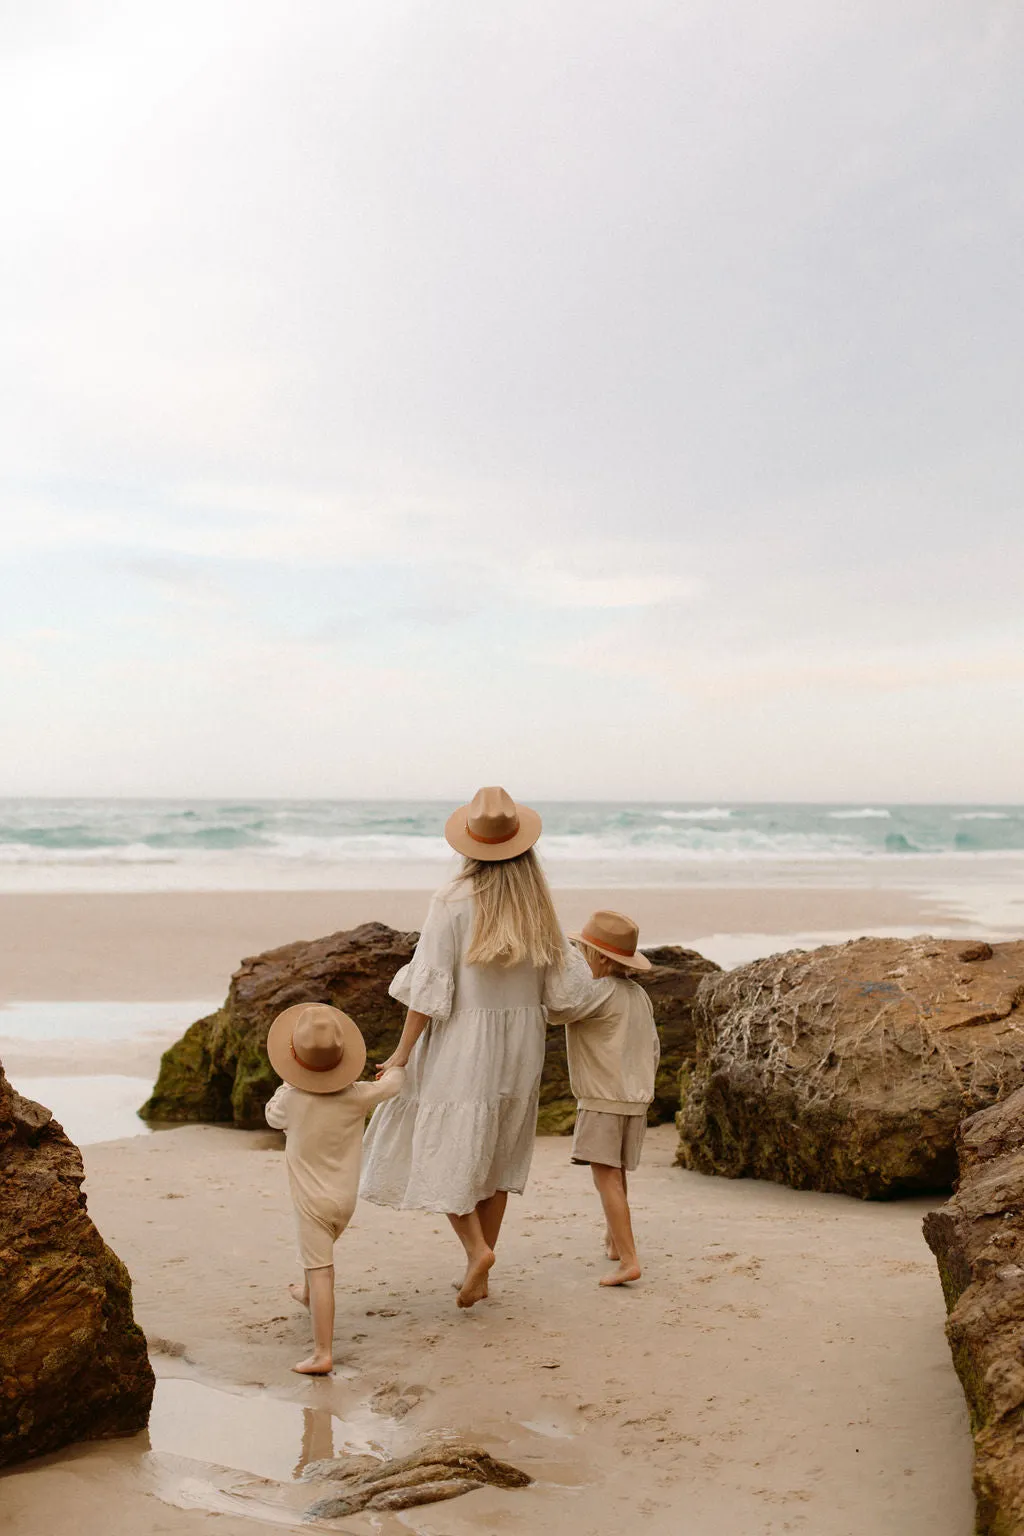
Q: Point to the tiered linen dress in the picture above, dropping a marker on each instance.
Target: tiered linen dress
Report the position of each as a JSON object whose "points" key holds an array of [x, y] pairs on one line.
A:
{"points": [[463, 1126]]}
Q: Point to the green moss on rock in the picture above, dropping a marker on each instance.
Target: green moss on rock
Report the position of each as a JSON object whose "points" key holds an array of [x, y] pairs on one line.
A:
{"points": [[219, 1070]]}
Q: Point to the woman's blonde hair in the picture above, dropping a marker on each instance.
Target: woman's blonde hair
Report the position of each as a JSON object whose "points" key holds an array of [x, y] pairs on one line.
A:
{"points": [[515, 916]]}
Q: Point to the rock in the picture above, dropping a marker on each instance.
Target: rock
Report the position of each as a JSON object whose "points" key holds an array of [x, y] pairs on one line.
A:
{"points": [[978, 1242], [444, 1467], [219, 1071], [73, 1362], [672, 984], [848, 1068]]}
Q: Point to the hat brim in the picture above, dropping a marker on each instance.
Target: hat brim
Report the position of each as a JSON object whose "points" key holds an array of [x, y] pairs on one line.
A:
{"points": [[635, 961], [462, 840], [349, 1068]]}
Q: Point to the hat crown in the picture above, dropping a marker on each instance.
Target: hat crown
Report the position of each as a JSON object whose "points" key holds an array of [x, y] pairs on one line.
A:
{"points": [[612, 930], [318, 1040], [492, 816]]}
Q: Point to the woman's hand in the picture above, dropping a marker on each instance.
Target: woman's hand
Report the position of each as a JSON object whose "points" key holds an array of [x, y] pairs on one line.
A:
{"points": [[415, 1024], [398, 1058]]}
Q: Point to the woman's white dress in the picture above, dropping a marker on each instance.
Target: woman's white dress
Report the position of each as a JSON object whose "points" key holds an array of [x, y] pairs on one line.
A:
{"points": [[464, 1124]]}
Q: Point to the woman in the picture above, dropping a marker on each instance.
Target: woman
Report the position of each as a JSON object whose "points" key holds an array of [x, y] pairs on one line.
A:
{"points": [[490, 959]]}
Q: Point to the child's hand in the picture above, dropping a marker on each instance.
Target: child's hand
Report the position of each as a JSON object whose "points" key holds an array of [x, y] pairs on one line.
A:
{"points": [[396, 1059]]}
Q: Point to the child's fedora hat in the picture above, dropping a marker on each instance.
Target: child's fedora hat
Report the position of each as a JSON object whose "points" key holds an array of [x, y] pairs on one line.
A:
{"points": [[492, 827], [614, 935], [316, 1047]]}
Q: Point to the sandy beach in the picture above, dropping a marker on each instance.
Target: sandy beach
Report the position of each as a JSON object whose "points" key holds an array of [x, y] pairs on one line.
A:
{"points": [[157, 945], [782, 1366]]}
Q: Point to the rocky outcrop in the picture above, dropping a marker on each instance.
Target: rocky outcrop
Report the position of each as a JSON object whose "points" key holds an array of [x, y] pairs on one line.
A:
{"points": [[73, 1362], [978, 1242], [219, 1071], [848, 1068]]}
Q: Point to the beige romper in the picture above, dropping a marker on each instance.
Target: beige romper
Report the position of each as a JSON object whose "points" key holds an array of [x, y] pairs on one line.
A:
{"points": [[324, 1135]]}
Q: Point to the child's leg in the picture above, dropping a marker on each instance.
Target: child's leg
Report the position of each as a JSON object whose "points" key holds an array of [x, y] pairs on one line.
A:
{"points": [[610, 1247], [611, 1186], [479, 1257], [320, 1290]]}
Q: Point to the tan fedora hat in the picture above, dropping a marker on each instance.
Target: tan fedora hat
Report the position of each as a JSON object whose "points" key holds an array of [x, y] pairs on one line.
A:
{"points": [[316, 1047], [492, 826], [616, 936]]}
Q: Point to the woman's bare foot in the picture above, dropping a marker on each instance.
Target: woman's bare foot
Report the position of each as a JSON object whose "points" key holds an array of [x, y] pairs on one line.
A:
{"points": [[300, 1293], [316, 1365], [458, 1284], [623, 1275], [474, 1286], [609, 1245]]}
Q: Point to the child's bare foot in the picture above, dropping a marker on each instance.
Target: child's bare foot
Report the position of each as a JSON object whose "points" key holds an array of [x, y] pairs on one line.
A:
{"points": [[316, 1365], [474, 1286], [300, 1293], [626, 1272]]}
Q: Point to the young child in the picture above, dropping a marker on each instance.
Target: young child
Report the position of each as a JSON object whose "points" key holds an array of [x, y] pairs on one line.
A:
{"points": [[613, 1051], [319, 1052]]}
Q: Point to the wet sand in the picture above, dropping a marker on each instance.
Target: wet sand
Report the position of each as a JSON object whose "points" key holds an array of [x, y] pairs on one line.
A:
{"points": [[158, 946], [781, 1368]]}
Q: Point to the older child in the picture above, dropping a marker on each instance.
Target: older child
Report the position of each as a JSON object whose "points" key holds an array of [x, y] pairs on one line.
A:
{"points": [[319, 1052], [613, 1051]]}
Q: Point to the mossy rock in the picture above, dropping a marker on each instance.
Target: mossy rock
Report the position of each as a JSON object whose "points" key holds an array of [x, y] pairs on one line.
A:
{"points": [[219, 1071]]}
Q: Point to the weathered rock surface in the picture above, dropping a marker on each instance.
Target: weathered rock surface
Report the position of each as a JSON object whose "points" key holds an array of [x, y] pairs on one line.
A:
{"points": [[444, 1467], [848, 1068], [73, 1362], [978, 1241], [219, 1071]]}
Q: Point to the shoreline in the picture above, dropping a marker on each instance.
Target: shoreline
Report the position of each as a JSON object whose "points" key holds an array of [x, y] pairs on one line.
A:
{"points": [[174, 945]]}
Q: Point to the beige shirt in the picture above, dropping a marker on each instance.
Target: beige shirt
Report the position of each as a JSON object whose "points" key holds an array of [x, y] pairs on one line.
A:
{"points": [[612, 1045], [324, 1143]]}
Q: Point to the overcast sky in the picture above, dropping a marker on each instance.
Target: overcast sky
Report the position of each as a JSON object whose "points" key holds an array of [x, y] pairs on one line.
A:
{"points": [[606, 399]]}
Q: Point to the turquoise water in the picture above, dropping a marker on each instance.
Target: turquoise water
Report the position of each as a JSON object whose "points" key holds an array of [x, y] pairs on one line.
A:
{"points": [[161, 834]]}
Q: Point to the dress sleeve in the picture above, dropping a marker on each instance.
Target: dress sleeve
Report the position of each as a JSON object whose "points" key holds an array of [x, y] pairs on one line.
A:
{"points": [[427, 983], [570, 992], [277, 1109]]}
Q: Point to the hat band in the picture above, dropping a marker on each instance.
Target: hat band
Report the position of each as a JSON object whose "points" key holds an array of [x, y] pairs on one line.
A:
{"points": [[308, 1065], [507, 838], [627, 954]]}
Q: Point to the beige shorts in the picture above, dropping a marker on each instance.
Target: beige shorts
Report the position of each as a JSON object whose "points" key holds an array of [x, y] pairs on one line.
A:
{"points": [[317, 1236], [614, 1140]]}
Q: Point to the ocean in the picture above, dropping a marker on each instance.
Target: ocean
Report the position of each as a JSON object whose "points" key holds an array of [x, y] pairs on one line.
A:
{"points": [[354, 844], [93, 1061]]}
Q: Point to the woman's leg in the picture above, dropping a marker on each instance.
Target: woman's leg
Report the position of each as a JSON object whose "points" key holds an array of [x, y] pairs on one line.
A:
{"points": [[320, 1288], [491, 1212], [611, 1186], [479, 1257]]}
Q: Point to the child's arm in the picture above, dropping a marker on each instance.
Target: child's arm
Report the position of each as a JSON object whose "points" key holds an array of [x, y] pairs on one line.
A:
{"points": [[388, 1086], [572, 994], [277, 1109]]}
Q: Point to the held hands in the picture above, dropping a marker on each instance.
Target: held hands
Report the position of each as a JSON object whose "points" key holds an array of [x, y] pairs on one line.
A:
{"points": [[398, 1059]]}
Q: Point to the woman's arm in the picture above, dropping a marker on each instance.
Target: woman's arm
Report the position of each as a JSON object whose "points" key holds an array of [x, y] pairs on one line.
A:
{"points": [[415, 1024]]}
